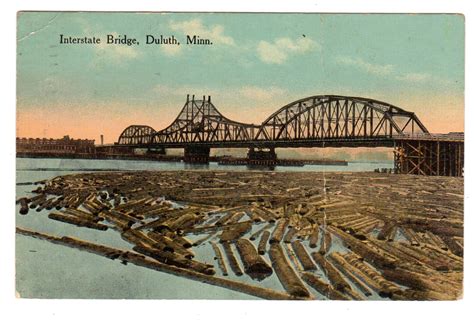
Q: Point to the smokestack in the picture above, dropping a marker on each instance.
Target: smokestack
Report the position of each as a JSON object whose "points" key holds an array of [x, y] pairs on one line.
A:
{"points": [[193, 98], [187, 98], [209, 98], [101, 139], [203, 98]]}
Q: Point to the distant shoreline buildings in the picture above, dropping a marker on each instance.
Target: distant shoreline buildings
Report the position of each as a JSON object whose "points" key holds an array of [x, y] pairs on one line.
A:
{"points": [[65, 145]]}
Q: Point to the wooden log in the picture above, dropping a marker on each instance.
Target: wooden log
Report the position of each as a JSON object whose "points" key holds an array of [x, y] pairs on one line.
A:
{"points": [[411, 294], [314, 238], [177, 239], [325, 242], [453, 246], [167, 257], [234, 232], [384, 287], [82, 214], [172, 244], [414, 280], [219, 258], [345, 268], [230, 218], [323, 288], [292, 256], [333, 275], [287, 276], [436, 241], [411, 236], [392, 235], [23, 206], [289, 235], [69, 219], [138, 238], [279, 230], [254, 264], [262, 245], [303, 256], [35, 201], [371, 255], [120, 223], [183, 221], [234, 265]]}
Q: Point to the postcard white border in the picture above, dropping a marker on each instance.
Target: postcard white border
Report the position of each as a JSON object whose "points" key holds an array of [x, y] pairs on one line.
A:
{"points": [[26, 313]]}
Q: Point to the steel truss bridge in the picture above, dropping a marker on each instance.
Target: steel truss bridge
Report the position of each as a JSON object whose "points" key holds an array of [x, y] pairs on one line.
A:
{"points": [[316, 121]]}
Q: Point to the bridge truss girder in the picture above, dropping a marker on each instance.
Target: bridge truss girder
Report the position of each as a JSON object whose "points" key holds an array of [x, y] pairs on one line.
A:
{"points": [[326, 117]]}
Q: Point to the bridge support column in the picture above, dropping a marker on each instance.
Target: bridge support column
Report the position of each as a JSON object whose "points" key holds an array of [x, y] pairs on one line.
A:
{"points": [[196, 154], [429, 158], [262, 157]]}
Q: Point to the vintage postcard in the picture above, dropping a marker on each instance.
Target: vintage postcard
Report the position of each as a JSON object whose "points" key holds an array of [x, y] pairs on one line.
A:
{"points": [[240, 156]]}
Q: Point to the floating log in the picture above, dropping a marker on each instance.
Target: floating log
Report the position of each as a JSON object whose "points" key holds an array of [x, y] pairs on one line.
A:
{"points": [[392, 234], [234, 265], [303, 257], [35, 201], [62, 217], [23, 206], [167, 257], [182, 241], [411, 294], [325, 242], [287, 276], [331, 273], [291, 254], [219, 258], [279, 231], [345, 268], [323, 288], [119, 222], [289, 235], [262, 245], [184, 221], [413, 280], [363, 249], [453, 246], [386, 231], [172, 244], [374, 279], [314, 237], [254, 265], [234, 232]]}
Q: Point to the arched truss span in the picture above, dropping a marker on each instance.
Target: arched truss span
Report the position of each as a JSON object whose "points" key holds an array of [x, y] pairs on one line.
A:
{"points": [[136, 135], [341, 117]]}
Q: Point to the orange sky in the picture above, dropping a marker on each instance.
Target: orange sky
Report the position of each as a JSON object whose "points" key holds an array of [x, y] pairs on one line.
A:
{"points": [[440, 114]]}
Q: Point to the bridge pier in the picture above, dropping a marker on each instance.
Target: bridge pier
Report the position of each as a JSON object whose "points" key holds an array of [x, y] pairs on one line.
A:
{"points": [[196, 154], [429, 157], [159, 150], [261, 157]]}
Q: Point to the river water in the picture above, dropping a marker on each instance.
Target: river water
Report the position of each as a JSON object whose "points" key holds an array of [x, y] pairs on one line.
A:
{"points": [[46, 270]]}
